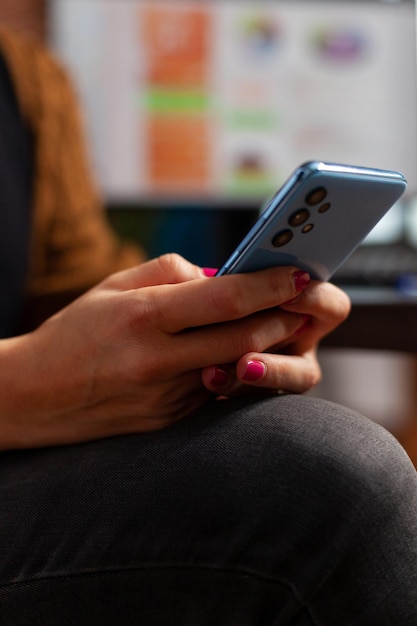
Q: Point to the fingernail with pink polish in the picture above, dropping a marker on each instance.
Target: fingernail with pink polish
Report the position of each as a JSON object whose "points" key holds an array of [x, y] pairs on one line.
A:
{"points": [[254, 371], [218, 376], [301, 280], [209, 271]]}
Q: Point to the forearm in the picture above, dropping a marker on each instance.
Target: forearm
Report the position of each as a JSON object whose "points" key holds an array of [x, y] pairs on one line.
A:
{"points": [[35, 390], [43, 388], [17, 384]]}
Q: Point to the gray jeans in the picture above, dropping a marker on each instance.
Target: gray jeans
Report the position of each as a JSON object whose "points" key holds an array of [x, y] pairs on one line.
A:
{"points": [[287, 510]]}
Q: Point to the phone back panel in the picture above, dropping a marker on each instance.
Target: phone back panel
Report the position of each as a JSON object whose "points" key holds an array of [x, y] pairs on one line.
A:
{"points": [[317, 218]]}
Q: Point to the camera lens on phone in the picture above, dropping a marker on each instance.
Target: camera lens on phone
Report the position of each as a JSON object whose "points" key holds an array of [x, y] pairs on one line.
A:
{"points": [[307, 228], [299, 217], [282, 238], [324, 207], [315, 196]]}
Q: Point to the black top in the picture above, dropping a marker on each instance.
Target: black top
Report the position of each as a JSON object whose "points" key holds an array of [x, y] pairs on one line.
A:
{"points": [[16, 167]]}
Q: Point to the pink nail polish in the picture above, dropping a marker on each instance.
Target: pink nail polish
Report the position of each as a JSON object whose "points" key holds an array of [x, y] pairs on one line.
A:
{"points": [[219, 377], [301, 280], [254, 371], [209, 271]]}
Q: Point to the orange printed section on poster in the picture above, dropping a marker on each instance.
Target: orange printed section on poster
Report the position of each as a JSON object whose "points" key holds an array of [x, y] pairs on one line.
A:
{"points": [[176, 43], [178, 147]]}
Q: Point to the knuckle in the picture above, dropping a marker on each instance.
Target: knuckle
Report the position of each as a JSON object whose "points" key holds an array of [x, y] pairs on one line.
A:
{"points": [[313, 379], [176, 269], [281, 373], [302, 379], [251, 340], [230, 302], [170, 262], [143, 313], [345, 305], [335, 301], [341, 308], [280, 284], [141, 317]]}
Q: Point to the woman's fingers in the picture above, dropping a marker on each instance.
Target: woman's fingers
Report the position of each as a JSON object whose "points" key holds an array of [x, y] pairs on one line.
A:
{"points": [[227, 342], [203, 302], [321, 308], [325, 303], [177, 295], [166, 269], [296, 374], [275, 373]]}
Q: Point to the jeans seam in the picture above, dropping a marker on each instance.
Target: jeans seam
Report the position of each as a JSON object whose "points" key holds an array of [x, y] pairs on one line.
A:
{"points": [[247, 572], [114, 570]]}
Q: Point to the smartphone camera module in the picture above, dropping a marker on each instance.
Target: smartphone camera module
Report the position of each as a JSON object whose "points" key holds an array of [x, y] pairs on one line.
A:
{"points": [[282, 238], [315, 196]]}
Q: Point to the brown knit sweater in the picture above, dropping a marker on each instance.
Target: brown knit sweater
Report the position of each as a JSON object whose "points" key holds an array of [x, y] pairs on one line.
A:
{"points": [[73, 246]]}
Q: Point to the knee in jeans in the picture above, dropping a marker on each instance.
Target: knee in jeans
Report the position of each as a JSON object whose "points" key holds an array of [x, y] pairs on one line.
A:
{"points": [[361, 458]]}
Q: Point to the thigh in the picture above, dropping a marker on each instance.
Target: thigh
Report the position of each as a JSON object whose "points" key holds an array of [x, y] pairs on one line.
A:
{"points": [[272, 511]]}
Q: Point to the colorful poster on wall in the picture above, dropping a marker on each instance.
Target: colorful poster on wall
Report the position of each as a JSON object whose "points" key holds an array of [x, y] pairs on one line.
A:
{"points": [[223, 99]]}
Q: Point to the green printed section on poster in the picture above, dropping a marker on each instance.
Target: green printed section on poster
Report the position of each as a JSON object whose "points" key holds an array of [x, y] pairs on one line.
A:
{"points": [[176, 101]]}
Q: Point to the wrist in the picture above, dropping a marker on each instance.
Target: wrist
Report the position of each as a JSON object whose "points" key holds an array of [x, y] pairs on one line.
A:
{"points": [[23, 392]]}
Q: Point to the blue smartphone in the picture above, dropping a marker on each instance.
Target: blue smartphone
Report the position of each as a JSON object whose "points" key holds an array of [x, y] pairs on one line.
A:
{"points": [[317, 218]]}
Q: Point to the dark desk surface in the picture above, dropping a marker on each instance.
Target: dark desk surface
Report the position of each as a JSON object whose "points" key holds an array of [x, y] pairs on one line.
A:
{"points": [[381, 319]]}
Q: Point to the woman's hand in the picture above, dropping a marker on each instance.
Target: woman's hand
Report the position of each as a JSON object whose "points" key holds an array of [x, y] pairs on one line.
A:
{"points": [[291, 366], [127, 356]]}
